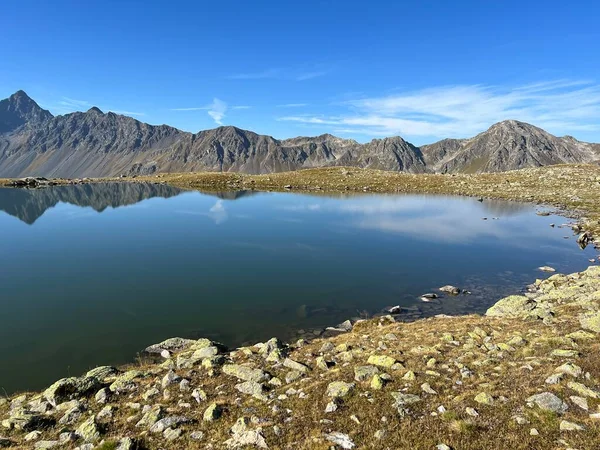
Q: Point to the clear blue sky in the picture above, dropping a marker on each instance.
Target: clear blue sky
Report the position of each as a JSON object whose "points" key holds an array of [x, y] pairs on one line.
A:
{"points": [[424, 69]]}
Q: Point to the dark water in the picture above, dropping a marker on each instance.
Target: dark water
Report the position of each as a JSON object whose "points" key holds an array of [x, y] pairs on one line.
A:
{"points": [[93, 274]]}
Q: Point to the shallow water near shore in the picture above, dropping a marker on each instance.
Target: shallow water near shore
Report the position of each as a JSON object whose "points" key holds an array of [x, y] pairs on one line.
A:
{"points": [[92, 274]]}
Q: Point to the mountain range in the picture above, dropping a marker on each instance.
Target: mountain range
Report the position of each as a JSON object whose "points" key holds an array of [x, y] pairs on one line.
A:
{"points": [[33, 142]]}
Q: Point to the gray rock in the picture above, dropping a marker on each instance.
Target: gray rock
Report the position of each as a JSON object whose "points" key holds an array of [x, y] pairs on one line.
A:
{"points": [[363, 373], [102, 395], [171, 434], [168, 422], [341, 439], [151, 417], [252, 388], [171, 345], [294, 365], [89, 430], [70, 388], [246, 373], [339, 389], [46, 444], [548, 402]]}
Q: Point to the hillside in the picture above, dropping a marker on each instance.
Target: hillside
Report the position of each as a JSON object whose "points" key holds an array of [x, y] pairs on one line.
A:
{"points": [[98, 144]]}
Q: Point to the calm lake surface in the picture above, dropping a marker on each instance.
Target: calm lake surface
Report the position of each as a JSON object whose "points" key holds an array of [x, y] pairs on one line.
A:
{"points": [[92, 274]]}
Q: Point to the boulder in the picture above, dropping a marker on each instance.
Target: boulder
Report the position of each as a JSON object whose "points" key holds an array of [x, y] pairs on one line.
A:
{"points": [[70, 388], [549, 402], [246, 373]]}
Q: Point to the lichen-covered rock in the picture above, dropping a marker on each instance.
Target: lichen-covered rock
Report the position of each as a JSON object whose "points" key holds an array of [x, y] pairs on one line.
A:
{"points": [[89, 430], [70, 388], [168, 422], [125, 382], [363, 373], [381, 361], [102, 372], [252, 388], [243, 437], [341, 439], [512, 306], [484, 398], [171, 344], [294, 365], [590, 321], [151, 417], [27, 421], [213, 412], [246, 373], [339, 389], [549, 402], [583, 390]]}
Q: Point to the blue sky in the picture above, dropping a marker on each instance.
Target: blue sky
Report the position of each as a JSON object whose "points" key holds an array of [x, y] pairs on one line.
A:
{"points": [[423, 70]]}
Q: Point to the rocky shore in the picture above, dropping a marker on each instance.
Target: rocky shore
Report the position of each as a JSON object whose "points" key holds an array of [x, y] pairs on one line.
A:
{"points": [[525, 376]]}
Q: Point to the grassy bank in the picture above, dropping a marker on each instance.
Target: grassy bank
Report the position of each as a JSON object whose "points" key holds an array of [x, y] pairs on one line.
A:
{"points": [[575, 189]]}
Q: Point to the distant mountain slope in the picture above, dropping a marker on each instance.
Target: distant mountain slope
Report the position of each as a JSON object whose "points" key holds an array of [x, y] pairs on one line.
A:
{"points": [[30, 204], [507, 145], [96, 144]]}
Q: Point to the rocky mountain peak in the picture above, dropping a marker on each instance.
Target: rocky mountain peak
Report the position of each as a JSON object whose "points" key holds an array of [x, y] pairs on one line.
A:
{"points": [[95, 110], [19, 109]]}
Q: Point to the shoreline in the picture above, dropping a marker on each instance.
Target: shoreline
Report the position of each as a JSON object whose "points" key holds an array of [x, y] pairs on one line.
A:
{"points": [[557, 321], [572, 190]]}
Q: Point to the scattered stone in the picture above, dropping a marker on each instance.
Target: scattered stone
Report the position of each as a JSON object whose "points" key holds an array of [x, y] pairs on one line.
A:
{"points": [[569, 426], [252, 388], [484, 398], [199, 395], [363, 373], [449, 289], [381, 361], [151, 417], [196, 435], [339, 389], [294, 365], [242, 436], [88, 430], [580, 401], [548, 402], [425, 387], [168, 422], [171, 345], [583, 390], [213, 412], [246, 373], [570, 369], [341, 439]]}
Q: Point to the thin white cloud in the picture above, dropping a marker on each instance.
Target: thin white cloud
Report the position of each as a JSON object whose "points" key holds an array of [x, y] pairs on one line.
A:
{"points": [[292, 105], [217, 109], [268, 73], [311, 75], [68, 105], [560, 106], [290, 73], [130, 113]]}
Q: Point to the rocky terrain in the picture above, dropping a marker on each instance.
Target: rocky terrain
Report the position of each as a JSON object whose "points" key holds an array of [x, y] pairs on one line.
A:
{"points": [[507, 145], [98, 144], [526, 375]]}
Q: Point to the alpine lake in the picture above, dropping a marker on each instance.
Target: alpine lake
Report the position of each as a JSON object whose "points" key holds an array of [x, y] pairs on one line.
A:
{"points": [[92, 274]]}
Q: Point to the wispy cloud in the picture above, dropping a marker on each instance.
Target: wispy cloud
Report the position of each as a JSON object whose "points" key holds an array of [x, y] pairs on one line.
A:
{"points": [[561, 106], [293, 105], [129, 113], [311, 75], [217, 109], [68, 105], [268, 73], [289, 73]]}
